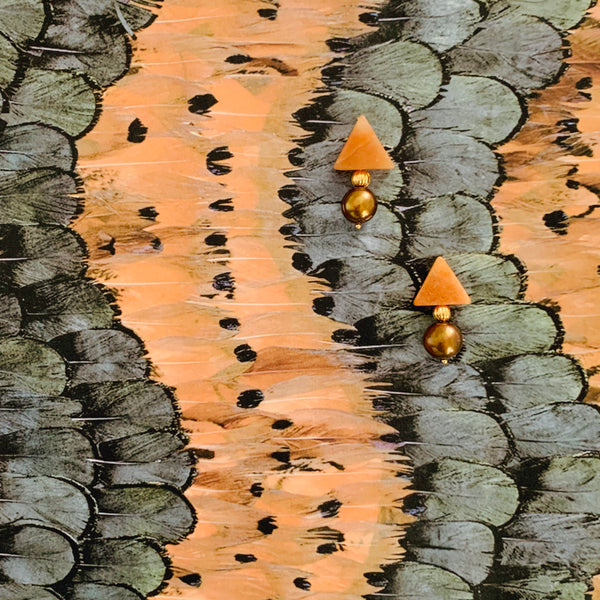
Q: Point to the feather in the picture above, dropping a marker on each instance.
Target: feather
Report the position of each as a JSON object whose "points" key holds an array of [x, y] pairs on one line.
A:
{"points": [[440, 162], [490, 332], [48, 196], [522, 51], [408, 74], [497, 331], [424, 582], [384, 285], [464, 548], [13, 591], [98, 591], [84, 40], [45, 501], [488, 277], [534, 584], [563, 14], [144, 511], [149, 457], [65, 453], [96, 355], [128, 562], [427, 224], [466, 435], [26, 410], [35, 555], [567, 485], [438, 25], [9, 62], [461, 384], [122, 408], [35, 146], [60, 99], [30, 367], [555, 429], [527, 381], [326, 236], [485, 109], [466, 491], [60, 306], [10, 315], [36, 253], [345, 106], [569, 541], [22, 20], [315, 175]]}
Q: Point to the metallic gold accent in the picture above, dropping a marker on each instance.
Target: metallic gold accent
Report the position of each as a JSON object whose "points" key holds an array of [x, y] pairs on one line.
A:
{"points": [[442, 313], [361, 179]]}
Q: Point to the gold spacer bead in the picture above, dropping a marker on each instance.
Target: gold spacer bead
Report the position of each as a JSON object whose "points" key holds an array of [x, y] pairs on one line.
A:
{"points": [[442, 313], [361, 179]]}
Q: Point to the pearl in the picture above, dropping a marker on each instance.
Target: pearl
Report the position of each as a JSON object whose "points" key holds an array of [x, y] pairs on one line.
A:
{"points": [[359, 205], [443, 340]]}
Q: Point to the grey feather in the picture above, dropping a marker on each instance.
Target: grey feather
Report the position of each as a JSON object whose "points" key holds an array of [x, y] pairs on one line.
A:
{"points": [[44, 501], [408, 74], [480, 107], [467, 491], [521, 51], [464, 548], [427, 227], [439, 163], [531, 380]]}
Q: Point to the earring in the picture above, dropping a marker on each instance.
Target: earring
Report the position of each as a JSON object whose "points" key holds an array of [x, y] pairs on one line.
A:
{"points": [[361, 152], [442, 289]]}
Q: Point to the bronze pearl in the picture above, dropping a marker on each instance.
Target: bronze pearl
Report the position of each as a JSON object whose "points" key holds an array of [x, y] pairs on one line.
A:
{"points": [[359, 205], [443, 340]]}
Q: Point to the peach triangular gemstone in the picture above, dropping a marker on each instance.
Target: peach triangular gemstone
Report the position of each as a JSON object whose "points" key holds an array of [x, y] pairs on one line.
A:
{"points": [[441, 287], [363, 150]]}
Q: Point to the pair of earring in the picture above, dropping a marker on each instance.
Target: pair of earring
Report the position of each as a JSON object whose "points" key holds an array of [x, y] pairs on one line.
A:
{"points": [[441, 289]]}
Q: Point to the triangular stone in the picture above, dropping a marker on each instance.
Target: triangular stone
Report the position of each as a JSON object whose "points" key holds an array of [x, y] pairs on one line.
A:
{"points": [[441, 287], [363, 150]]}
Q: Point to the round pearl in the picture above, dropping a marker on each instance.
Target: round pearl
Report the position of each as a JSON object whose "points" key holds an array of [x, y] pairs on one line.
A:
{"points": [[359, 205], [443, 340]]}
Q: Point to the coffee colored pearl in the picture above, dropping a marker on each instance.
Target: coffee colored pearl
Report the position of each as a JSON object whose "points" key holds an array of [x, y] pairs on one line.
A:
{"points": [[443, 340], [359, 205]]}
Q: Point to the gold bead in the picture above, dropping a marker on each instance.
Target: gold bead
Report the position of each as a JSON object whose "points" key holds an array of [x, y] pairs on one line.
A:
{"points": [[442, 313], [443, 340], [361, 178], [359, 205]]}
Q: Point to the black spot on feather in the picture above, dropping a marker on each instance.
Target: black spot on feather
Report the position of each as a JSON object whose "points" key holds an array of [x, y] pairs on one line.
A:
{"points": [[201, 104], [137, 132]]}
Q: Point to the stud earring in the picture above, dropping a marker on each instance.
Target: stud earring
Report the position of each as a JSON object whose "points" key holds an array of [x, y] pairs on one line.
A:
{"points": [[362, 152], [442, 289]]}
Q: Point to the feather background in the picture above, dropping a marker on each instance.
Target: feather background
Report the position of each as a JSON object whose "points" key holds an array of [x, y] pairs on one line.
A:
{"points": [[313, 455]]}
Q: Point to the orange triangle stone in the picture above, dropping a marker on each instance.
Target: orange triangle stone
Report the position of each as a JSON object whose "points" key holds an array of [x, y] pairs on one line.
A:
{"points": [[363, 150], [441, 287]]}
